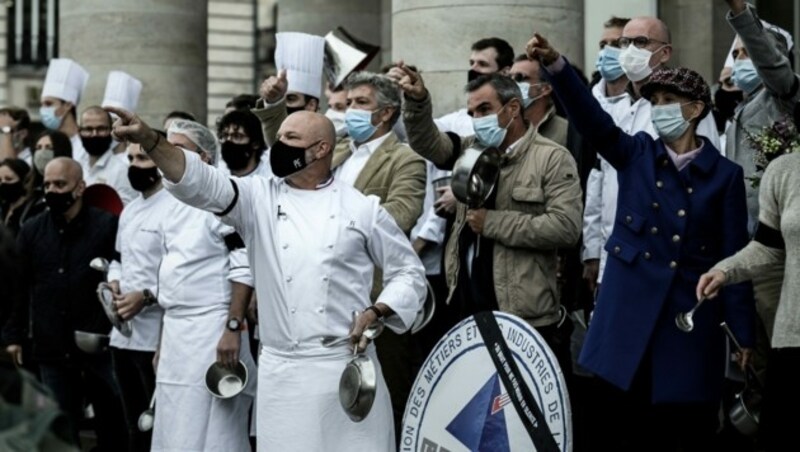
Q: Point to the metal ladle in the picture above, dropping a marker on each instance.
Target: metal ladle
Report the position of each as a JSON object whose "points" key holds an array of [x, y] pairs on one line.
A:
{"points": [[371, 332], [684, 319], [148, 416]]}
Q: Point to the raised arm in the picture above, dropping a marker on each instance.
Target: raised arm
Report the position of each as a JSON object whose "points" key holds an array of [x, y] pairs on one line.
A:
{"points": [[772, 66], [423, 136], [271, 108], [584, 111]]}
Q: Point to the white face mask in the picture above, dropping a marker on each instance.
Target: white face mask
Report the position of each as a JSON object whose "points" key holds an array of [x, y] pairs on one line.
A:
{"points": [[337, 118], [636, 62]]}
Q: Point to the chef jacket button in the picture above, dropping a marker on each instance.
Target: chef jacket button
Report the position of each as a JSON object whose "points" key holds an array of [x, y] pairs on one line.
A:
{"points": [[296, 343], [659, 184], [285, 245], [681, 213], [654, 230], [628, 219], [289, 279], [330, 246], [335, 190], [293, 310], [333, 216], [320, 310], [703, 248], [656, 205], [673, 265], [61, 270], [676, 238], [689, 190], [647, 255], [617, 250], [325, 278]]}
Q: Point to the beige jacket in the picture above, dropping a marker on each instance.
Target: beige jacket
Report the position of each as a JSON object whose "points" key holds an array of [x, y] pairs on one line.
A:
{"points": [[538, 210]]}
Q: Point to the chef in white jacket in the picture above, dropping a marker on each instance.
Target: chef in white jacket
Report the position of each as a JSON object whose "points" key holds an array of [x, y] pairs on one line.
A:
{"points": [[201, 325], [313, 243]]}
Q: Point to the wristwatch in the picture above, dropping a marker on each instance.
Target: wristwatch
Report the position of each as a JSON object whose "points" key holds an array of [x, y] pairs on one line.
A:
{"points": [[378, 312], [234, 324], [149, 298], [6, 129]]}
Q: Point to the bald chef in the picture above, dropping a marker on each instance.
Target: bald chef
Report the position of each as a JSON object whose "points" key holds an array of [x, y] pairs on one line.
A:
{"points": [[312, 243]]}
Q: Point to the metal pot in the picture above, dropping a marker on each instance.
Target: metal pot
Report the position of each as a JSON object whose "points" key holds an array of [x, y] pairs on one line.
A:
{"points": [[225, 383], [357, 386], [475, 174], [746, 411], [426, 311], [92, 343], [106, 297]]}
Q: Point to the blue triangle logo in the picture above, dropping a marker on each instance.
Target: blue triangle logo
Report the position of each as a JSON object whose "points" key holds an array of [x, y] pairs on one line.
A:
{"points": [[481, 424]]}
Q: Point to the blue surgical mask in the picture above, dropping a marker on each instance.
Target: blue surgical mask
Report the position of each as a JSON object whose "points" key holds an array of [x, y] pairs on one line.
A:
{"points": [[668, 121], [745, 76], [608, 63], [49, 118], [488, 130], [525, 88], [359, 124]]}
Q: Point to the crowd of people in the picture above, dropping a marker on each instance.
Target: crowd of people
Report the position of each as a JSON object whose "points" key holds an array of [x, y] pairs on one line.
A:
{"points": [[622, 202]]}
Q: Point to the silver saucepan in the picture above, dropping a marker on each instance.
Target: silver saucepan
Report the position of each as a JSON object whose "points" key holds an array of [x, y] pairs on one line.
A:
{"points": [[745, 413], [91, 343], [475, 174], [357, 386], [106, 297]]}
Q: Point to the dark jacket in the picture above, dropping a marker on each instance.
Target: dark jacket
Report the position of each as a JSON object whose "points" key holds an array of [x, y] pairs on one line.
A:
{"points": [[671, 226], [61, 286]]}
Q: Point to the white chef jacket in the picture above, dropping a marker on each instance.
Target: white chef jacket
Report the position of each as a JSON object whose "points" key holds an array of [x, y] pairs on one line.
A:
{"points": [[430, 226], [240, 265], [140, 242], [601, 188], [349, 170], [313, 253], [109, 170]]}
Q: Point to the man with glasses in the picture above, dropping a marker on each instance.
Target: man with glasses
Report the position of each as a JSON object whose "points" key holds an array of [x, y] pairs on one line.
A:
{"points": [[98, 162], [536, 101]]}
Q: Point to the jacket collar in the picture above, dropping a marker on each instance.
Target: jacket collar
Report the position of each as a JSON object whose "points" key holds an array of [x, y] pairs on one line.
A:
{"points": [[705, 160], [521, 146], [376, 161]]}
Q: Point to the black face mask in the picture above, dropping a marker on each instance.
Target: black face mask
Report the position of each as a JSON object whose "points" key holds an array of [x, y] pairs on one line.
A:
{"points": [[472, 75], [725, 103], [96, 146], [10, 193], [59, 202], [142, 179], [237, 156], [287, 160], [290, 110]]}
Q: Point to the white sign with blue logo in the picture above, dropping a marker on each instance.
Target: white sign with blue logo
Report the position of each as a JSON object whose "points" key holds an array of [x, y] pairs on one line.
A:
{"points": [[460, 403]]}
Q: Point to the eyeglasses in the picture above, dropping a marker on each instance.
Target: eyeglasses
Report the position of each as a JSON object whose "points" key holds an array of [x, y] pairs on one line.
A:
{"points": [[638, 41], [235, 137], [99, 131], [611, 43]]}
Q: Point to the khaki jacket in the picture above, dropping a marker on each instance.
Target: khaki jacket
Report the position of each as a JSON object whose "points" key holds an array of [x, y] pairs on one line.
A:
{"points": [[538, 210], [394, 173]]}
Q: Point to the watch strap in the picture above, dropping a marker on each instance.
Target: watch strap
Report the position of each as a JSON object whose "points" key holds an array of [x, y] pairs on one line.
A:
{"points": [[375, 309]]}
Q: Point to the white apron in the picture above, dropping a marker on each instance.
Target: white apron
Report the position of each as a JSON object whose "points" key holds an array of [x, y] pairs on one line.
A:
{"points": [[188, 347], [298, 405]]}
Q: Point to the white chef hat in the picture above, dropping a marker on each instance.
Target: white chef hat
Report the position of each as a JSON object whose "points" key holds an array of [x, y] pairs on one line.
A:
{"points": [[65, 80], [122, 91], [198, 134], [302, 55]]}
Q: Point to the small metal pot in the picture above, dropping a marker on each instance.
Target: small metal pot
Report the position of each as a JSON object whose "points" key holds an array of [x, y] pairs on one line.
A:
{"points": [[91, 343], [426, 311], [225, 383], [746, 411], [106, 297], [357, 387], [475, 174]]}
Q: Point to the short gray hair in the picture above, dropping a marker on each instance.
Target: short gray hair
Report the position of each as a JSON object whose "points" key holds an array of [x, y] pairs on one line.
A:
{"points": [[506, 88], [386, 90], [199, 135]]}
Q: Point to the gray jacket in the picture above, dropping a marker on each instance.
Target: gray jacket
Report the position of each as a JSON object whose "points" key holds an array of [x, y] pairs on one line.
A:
{"points": [[773, 101]]}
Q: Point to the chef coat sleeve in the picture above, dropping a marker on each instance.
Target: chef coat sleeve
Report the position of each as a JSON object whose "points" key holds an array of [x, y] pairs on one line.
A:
{"points": [[240, 268], [404, 288], [209, 188]]}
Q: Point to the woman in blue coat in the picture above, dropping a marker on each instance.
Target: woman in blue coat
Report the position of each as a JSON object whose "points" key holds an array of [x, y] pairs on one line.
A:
{"points": [[681, 206]]}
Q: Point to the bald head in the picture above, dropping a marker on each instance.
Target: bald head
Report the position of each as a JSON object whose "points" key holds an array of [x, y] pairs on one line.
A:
{"points": [[309, 127], [652, 27], [63, 174]]}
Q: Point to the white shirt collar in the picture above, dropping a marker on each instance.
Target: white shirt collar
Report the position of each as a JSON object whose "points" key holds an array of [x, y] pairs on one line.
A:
{"points": [[369, 146]]}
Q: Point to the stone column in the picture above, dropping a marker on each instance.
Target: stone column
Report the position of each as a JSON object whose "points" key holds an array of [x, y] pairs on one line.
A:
{"points": [[163, 44], [360, 18], [436, 36]]}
